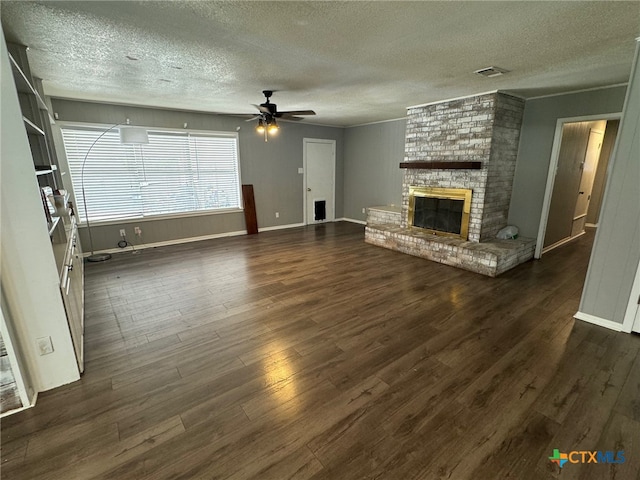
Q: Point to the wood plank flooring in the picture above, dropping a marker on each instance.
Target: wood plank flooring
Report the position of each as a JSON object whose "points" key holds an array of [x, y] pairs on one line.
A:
{"points": [[308, 354]]}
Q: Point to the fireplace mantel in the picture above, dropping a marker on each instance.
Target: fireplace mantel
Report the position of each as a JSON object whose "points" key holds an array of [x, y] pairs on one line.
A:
{"points": [[442, 165]]}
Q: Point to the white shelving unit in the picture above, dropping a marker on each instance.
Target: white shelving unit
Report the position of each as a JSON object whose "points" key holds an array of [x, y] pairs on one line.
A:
{"points": [[32, 312]]}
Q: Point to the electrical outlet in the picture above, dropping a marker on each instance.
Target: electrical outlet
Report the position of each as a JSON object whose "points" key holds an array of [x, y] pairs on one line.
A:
{"points": [[45, 347], [364, 210], [137, 231], [300, 170], [123, 233], [277, 214]]}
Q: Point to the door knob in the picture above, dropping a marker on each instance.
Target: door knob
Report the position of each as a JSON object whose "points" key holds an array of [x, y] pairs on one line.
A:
{"points": [[581, 193], [308, 189]]}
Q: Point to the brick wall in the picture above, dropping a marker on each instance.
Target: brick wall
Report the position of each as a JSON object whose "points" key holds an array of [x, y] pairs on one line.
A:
{"points": [[505, 137], [386, 215], [483, 128]]}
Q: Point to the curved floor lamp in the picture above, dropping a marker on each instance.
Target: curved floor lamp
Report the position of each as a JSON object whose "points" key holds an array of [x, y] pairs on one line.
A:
{"points": [[133, 135]]}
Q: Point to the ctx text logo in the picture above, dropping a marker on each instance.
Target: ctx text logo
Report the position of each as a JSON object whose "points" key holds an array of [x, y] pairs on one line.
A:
{"points": [[586, 457]]}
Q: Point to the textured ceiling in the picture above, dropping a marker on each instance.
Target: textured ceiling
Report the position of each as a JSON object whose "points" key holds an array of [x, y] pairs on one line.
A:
{"points": [[352, 62]]}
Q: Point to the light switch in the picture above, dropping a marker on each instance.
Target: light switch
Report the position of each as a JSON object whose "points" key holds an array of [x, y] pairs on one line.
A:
{"points": [[45, 347]]}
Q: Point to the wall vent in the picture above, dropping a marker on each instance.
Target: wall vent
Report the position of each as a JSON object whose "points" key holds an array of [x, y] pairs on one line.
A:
{"points": [[491, 71]]}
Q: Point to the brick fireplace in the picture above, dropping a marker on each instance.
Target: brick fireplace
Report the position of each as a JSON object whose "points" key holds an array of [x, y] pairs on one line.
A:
{"points": [[472, 144]]}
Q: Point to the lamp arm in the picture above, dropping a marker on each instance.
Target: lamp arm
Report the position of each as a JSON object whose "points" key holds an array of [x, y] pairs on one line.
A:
{"points": [[84, 197]]}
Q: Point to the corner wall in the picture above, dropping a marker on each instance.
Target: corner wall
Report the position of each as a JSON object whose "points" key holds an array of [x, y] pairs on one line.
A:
{"points": [[372, 174]]}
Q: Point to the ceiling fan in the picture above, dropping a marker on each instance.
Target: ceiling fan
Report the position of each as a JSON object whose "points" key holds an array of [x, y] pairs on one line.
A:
{"points": [[267, 123]]}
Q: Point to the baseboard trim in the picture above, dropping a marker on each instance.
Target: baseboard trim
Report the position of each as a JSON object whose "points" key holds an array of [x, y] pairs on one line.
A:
{"points": [[166, 243], [601, 322], [16, 410], [352, 220], [281, 227], [178, 241], [559, 243]]}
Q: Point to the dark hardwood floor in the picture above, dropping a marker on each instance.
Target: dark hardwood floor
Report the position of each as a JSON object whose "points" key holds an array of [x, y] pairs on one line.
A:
{"points": [[308, 354]]}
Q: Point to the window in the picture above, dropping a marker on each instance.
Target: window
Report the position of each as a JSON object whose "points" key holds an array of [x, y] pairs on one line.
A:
{"points": [[175, 173]]}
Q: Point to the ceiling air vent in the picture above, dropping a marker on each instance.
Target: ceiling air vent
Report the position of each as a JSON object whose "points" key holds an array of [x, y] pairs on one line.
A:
{"points": [[491, 71]]}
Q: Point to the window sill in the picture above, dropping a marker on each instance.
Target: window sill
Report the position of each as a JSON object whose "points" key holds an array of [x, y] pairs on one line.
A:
{"points": [[204, 213]]}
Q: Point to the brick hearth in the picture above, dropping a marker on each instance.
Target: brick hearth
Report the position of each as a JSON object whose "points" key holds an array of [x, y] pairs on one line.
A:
{"points": [[487, 258]]}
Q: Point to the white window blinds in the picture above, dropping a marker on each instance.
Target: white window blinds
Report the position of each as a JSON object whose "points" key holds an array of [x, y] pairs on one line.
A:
{"points": [[176, 172]]}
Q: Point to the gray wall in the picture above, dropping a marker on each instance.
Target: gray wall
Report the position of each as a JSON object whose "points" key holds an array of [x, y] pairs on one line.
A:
{"points": [[536, 141], [372, 174], [616, 250], [271, 167], [372, 154]]}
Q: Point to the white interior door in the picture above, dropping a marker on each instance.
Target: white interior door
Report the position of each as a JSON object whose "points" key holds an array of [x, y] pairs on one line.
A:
{"points": [[319, 184]]}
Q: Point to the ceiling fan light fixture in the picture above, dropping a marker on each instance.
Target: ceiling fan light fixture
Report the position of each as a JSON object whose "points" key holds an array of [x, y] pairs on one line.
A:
{"points": [[267, 124]]}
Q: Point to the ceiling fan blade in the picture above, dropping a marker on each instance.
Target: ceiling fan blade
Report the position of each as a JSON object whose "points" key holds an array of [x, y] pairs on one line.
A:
{"points": [[250, 116], [253, 117], [294, 113], [261, 108]]}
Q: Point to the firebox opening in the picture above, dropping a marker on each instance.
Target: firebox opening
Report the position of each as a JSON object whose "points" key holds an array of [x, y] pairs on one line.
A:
{"points": [[443, 214], [441, 211]]}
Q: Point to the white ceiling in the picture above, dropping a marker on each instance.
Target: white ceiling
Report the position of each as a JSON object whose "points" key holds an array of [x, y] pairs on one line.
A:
{"points": [[352, 62]]}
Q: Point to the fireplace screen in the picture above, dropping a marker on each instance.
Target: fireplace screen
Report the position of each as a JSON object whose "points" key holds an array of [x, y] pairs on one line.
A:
{"points": [[442, 211]]}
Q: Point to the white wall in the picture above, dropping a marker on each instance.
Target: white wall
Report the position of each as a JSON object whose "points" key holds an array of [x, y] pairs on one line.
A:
{"points": [[30, 284]]}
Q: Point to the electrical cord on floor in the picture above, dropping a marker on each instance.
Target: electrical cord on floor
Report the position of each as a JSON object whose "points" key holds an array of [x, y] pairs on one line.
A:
{"points": [[124, 243]]}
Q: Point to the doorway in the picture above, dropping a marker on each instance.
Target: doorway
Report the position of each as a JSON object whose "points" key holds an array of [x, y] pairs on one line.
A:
{"points": [[319, 161], [576, 180]]}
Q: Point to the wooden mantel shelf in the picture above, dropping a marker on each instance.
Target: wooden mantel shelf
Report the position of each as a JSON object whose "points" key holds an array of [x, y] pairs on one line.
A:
{"points": [[442, 165]]}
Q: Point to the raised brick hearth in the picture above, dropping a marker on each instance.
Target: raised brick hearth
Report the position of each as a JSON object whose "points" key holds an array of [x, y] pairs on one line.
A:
{"points": [[486, 129], [487, 258]]}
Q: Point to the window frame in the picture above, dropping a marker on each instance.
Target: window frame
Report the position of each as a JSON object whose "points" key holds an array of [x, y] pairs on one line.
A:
{"points": [[77, 195]]}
